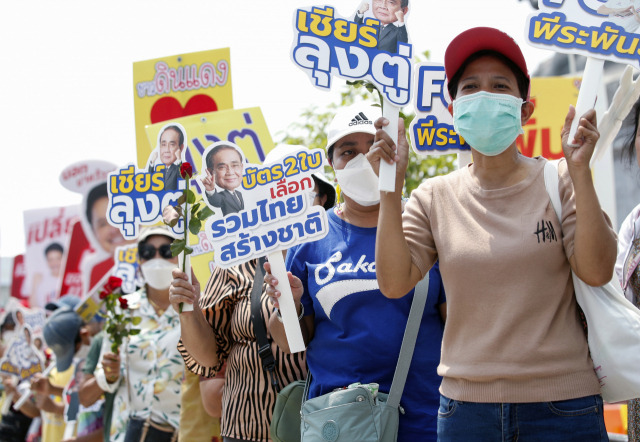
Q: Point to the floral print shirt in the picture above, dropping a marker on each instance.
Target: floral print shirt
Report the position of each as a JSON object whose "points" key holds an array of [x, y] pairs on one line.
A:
{"points": [[155, 369]]}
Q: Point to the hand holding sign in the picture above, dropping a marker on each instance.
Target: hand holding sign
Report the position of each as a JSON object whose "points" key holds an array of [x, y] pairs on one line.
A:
{"points": [[381, 54], [264, 209], [285, 291], [586, 134]]}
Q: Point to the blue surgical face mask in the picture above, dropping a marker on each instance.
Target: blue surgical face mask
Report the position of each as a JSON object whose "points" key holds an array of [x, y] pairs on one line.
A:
{"points": [[488, 122]]}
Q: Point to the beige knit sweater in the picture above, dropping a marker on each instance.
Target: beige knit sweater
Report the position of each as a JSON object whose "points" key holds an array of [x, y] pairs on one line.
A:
{"points": [[513, 332]]}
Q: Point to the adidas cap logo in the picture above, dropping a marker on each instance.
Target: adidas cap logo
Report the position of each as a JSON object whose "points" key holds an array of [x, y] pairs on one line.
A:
{"points": [[360, 118]]}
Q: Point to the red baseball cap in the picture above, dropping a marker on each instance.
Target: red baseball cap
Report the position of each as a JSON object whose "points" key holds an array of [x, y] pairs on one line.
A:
{"points": [[482, 39]]}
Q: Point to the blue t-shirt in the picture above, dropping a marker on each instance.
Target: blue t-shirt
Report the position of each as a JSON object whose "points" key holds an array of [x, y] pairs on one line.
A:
{"points": [[358, 331]]}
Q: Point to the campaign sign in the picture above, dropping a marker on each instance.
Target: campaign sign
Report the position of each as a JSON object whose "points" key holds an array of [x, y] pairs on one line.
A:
{"points": [[78, 245], [126, 268], [542, 133], [137, 197], [431, 130], [245, 128], [21, 358], [33, 318], [595, 28], [176, 86], [260, 209], [370, 45], [47, 231], [17, 277], [91, 262]]}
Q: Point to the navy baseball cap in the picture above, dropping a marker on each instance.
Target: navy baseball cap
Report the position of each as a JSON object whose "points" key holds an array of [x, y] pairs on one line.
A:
{"points": [[60, 333], [70, 301]]}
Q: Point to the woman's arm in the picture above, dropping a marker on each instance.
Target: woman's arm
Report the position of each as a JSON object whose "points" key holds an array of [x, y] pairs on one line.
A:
{"points": [[89, 391], [595, 242], [395, 271], [211, 390], [195, 330]]}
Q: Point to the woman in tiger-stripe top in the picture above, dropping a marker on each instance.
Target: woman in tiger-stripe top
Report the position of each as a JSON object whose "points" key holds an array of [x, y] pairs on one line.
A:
{"points": [[248, 397]]}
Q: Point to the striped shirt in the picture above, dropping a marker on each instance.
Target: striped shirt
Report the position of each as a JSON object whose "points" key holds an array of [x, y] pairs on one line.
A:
{"points": [[248, 398]]}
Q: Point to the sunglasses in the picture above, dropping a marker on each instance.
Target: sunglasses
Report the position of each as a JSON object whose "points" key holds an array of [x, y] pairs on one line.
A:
{"points": [[147, 251]]}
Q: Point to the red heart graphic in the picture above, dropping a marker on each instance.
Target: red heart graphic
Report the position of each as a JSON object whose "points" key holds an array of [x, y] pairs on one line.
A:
{"points": [[168, 108]]}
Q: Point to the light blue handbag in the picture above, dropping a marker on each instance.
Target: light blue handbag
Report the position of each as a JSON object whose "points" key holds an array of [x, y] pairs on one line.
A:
{"points": [[360, 412]]}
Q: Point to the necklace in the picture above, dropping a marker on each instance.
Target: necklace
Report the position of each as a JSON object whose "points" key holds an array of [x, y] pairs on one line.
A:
{"points": [[157, 308]]}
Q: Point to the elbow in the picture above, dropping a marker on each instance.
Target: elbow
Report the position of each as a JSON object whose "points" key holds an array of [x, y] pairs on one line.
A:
{"points": [[391, 291], [84, 399], [599, 278], [213, 410]]}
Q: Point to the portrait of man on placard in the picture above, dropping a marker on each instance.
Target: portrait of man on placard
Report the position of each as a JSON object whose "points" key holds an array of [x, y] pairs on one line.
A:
{"points": [[624, 13], [391, 14], [224, 167], [168, 152]]}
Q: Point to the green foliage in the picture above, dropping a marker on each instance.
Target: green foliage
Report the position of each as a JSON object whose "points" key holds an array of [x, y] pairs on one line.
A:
{"points": [[177, 246], [191, 197], [309, 130], [204, 213], [118, 320]]}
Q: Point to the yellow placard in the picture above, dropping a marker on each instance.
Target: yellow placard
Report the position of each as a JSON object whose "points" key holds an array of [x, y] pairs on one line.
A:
{"points": [[244, 127], [552, 97], [175, 86]]}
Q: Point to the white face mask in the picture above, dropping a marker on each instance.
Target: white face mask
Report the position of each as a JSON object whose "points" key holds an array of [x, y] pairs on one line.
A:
{"points": [[157, 273], [359, 182]]}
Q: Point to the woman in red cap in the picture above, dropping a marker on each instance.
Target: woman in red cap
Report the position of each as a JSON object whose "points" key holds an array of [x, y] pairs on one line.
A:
{"points": [[515, 361]]}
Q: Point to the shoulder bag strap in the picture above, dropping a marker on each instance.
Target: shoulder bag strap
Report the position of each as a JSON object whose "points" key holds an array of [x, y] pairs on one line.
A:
{"points": [[264, 346], [408, 342], [551, 182]]}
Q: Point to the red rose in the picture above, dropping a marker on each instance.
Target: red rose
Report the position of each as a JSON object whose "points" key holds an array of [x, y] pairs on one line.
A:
{"points": [[114, 282], [185, 170], [123, 303], [104, 294]]}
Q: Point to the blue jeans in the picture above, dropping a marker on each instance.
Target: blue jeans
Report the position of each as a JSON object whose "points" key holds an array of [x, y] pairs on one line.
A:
{"points": [[580, 420]]}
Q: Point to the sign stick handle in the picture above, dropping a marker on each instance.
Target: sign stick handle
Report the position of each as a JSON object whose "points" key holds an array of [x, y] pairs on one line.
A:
{"points": [[387, 178], [187, 267], [591, 78], [69, 429], [20, 402], [287, 304], [7, 404]]}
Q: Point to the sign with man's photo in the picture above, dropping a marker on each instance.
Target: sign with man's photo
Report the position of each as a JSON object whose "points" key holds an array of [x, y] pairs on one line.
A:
{"points": [[260, 208], [370, 44]]}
